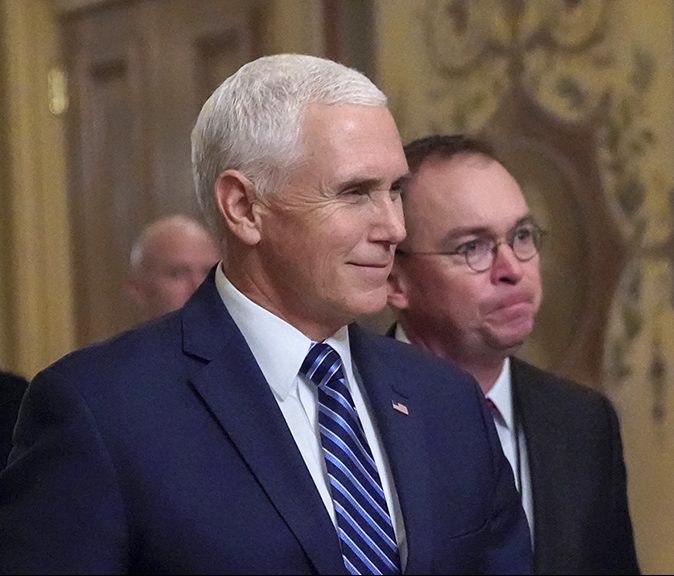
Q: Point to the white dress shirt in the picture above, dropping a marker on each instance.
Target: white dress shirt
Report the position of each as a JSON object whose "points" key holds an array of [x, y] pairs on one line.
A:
{"points": [[279, 350], [508, 430]]}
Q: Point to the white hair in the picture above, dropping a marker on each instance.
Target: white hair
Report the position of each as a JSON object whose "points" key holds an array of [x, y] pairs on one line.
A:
{"points": [[253, 120]]}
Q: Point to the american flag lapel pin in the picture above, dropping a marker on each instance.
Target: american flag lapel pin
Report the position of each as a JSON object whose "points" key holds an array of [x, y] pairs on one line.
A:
{"points": [[400, 407]]}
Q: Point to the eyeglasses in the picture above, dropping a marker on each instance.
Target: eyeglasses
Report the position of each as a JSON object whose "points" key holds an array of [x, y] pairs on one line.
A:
{"points": [[525, 241]]}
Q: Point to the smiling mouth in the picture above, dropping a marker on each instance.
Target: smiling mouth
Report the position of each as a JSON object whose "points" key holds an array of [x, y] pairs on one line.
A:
{"points": [[385, 265]]}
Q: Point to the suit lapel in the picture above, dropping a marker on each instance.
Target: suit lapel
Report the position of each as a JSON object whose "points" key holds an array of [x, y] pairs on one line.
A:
{"points": [[237, 394], [403, 436], [545, 444]]}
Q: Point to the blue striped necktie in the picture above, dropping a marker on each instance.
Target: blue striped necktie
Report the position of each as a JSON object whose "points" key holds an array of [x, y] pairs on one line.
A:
{"points": [[363, 521]]}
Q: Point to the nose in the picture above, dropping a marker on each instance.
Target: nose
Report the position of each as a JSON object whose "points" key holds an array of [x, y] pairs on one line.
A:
{"points": [[506, 267], [390, 221]]}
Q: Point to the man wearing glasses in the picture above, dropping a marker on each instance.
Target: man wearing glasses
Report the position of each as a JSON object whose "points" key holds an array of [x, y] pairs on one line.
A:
{"points": [[466, 286]]}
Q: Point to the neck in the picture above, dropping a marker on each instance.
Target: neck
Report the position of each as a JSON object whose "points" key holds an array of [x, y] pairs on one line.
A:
{"points": [[485, 365], [316, 328], [486, 376]]}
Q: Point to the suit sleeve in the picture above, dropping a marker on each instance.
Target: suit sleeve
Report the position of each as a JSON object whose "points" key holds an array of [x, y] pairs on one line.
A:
{"points": [[60, 504]]}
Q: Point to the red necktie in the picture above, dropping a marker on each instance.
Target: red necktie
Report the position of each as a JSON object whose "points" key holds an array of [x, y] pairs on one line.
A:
{"points": [[495, 412]]}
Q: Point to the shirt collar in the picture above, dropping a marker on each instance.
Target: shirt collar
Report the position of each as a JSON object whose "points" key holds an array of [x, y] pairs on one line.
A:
{"points": [[400, 334], [501, 394], [278, 347]]}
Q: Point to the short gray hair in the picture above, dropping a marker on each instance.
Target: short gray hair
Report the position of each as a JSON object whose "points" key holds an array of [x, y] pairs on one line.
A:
{"points": [[253, 120]]}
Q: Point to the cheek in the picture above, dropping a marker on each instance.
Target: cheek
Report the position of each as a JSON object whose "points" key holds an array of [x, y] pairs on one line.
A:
{"points": [[438, 289], [331, 246], [535, 286], [538, 298], [461, 299]]}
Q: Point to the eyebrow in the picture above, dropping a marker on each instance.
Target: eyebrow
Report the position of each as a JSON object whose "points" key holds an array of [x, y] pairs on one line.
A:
{"points": [[373, 183], [404, 179], [462, 231]]}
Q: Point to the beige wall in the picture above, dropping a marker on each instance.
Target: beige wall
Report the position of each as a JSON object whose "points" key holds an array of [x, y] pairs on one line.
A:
{"points": [[642, 319]]}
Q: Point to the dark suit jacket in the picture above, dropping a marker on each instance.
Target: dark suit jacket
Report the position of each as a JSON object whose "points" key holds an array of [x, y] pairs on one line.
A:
{"points": [[12, 388], [582, 523], [164, 450], [581, 518]]}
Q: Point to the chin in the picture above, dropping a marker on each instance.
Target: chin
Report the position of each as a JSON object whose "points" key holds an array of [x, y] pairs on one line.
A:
{"points": [[510, 340], [510, 348], [367, 306]]}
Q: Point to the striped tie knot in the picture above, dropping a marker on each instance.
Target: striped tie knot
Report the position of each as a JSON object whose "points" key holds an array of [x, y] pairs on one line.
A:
{"points": [[321, 364], [363, 521]]}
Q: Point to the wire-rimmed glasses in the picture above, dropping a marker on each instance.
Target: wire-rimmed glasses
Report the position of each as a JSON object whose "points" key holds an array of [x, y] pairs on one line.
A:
{"points": [[524, 240]]}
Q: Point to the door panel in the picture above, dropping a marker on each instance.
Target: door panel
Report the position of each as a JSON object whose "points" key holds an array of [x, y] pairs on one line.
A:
{"points": [[139, 73]]}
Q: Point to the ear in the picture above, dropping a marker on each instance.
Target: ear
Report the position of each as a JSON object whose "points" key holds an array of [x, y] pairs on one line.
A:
{"points": [[234, 197], [397, 287]]}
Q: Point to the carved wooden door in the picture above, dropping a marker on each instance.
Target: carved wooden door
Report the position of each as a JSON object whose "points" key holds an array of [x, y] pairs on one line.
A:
{"points": [[139, 72]]}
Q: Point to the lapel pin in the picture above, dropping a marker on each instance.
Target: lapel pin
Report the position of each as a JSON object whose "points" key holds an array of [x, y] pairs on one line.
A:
{"points": [[400, 407]]}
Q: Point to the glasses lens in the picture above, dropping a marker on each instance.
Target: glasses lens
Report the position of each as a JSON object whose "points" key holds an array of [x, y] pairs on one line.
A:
{"points": [[481, 256], [526, 242]]}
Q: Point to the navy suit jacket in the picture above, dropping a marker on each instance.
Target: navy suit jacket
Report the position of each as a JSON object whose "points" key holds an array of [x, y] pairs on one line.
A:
{"points": [[582, 522], [12, 388], [164, 451]]}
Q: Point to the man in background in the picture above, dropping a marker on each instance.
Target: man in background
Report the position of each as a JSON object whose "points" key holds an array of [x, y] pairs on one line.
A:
{"points": [[466, 286], [168, 261], [257, 430]]}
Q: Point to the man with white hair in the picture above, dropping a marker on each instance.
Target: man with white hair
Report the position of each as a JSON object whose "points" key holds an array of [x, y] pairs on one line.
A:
{"points": [[257, 430]]}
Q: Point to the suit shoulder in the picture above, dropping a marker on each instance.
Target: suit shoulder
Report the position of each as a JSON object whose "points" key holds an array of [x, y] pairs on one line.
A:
{"points": [[404, 358], [144, 344], [532, 381]]}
